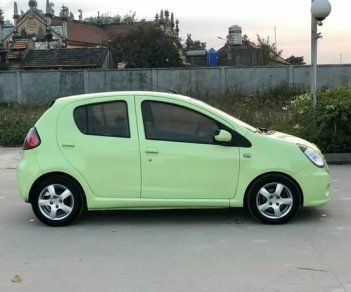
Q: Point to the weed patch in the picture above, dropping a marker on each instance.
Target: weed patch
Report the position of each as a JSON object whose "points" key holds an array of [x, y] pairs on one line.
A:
{"points": [[16, 120]]}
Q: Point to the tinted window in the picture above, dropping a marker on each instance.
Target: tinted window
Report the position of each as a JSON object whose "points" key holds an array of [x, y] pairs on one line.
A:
{"points": [[103, 119], [164, 121]]}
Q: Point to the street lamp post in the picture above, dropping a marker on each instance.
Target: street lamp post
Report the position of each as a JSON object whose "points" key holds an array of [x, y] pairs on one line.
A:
{"points": [[314, 38], [320, 9]]}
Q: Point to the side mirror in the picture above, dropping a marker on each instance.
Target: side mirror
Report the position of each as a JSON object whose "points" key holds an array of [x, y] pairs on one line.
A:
{"points": [[223, 136]]}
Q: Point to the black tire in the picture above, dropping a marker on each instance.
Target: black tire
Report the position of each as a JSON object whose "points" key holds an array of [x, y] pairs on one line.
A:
{"points": [[57, 201], [273, 199]]}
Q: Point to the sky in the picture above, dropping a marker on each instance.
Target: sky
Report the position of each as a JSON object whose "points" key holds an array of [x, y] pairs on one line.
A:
{"points": [[286, 22]]}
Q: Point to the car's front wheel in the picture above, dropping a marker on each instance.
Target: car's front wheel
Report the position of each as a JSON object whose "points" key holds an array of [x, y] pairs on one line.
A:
{"points": [[273, 199], [57, 201]]}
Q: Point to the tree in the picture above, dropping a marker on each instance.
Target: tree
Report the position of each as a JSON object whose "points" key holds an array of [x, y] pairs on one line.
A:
{"points": [[194, 45], [129, 18], [105, 18], [295, 60], [147, 46], [270, 51]]}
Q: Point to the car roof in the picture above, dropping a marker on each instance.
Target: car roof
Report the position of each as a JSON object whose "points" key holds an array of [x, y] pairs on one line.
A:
{"points": [[68, 99]]}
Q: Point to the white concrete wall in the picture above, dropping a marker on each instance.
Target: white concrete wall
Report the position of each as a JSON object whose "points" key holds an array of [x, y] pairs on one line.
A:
{"points": [[28, 86]]}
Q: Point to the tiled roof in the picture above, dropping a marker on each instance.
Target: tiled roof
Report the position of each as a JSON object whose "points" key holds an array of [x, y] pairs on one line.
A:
{"points": [[245, 45], [14, 55], [65, 58], [281, 60], [86, 33], [114, 30], [92, 34]]}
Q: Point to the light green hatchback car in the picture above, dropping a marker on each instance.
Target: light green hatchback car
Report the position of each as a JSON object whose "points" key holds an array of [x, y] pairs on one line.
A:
{"points": [[150, 150]]}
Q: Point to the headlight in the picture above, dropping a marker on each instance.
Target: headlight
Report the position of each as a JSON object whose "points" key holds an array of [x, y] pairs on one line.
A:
{"points": [[315, 157]]}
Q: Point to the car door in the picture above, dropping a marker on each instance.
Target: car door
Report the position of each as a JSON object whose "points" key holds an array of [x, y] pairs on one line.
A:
{"points": [[98, 137], [179, 157]]}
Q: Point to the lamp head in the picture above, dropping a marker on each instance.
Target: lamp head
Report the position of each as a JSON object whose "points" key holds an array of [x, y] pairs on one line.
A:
{"points": [[320, 9]]}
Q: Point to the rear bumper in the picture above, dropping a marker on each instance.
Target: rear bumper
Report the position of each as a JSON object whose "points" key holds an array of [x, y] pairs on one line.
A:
{"points": [[27, 172]]}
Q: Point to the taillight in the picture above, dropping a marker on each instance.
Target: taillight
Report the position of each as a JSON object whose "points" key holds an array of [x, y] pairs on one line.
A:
{"points": [[32, 139]]}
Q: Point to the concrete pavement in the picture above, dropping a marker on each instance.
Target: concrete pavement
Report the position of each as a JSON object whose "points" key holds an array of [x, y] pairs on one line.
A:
{"points": [[190, 250], [9, 157]]}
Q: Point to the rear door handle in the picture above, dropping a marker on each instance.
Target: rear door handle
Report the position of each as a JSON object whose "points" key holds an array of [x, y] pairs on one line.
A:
{"points": [[68, 144], [151, 151]]}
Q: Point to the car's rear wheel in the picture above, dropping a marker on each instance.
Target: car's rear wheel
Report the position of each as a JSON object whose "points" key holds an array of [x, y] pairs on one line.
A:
{"points": [[273, 199], [57, 201]]}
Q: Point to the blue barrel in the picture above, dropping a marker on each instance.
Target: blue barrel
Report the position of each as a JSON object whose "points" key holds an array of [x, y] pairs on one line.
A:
{"points": [[212, 58]]}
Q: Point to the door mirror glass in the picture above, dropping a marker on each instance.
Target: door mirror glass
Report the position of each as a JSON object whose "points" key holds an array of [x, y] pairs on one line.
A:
{"points": [[223, 136]]}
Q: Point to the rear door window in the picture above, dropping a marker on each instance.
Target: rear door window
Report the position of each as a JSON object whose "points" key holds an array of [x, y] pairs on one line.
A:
{"points": [[103, 119]]}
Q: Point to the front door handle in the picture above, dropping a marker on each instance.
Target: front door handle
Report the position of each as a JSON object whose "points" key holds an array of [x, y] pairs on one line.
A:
{"points": [[151, 151]]}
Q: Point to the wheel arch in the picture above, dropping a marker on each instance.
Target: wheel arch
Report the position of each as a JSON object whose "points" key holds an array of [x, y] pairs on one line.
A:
{"points": [[273, 173], [57, 173]]}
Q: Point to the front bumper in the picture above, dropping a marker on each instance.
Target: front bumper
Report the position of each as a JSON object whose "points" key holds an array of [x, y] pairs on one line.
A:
{"points": [[315, 185]]}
